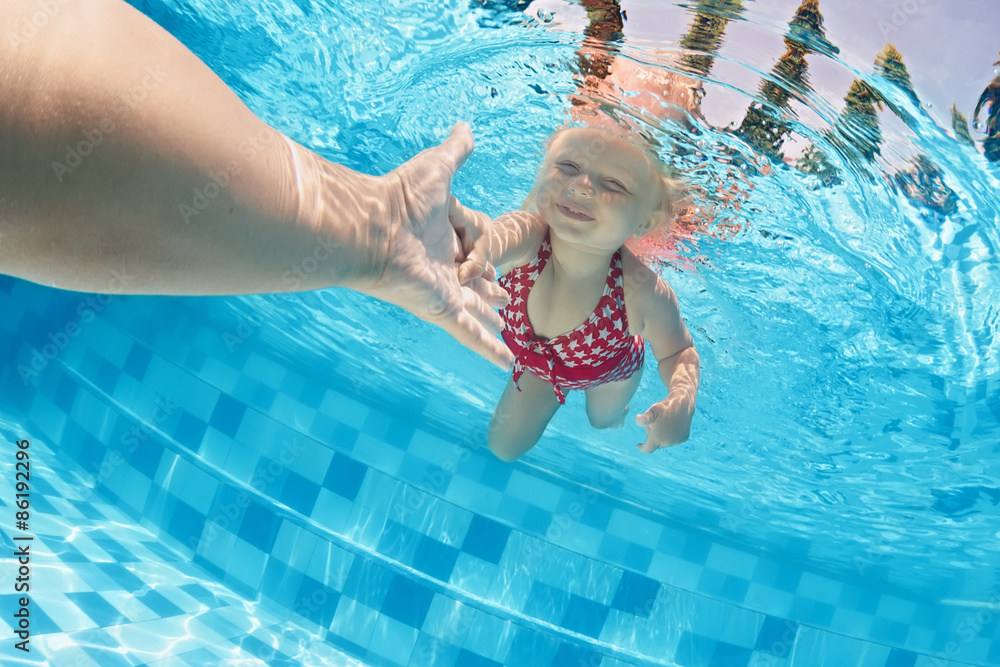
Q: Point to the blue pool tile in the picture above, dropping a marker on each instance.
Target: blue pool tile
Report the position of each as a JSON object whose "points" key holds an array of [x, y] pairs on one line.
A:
{"points": [[467, 658], [584, 616], [203, 595], [901, 658], [637, 557], [574, 655], [316, 602], [65, 394], [496, 474], [367, 583], [435, 559], [146, 458], [228, 415], [190, 430], [97, 608], [634, 593], [106, 377], [266, 653], [776, 633], [299, 493], [812, 612], [280, 582], [531, 648], [345, 476], [486, 539], [429, 650], [113, 548], [730, 655], [160, 605], [407, 601], [694, 650], [185, 522], [260, 526], [399, 433], [536, 520], [696, 549], [41, 622], [399, 542], [546, 602]]}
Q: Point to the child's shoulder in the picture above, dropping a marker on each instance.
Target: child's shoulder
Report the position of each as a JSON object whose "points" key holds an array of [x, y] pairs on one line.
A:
{"points": [[521, 233], [645, 289]]}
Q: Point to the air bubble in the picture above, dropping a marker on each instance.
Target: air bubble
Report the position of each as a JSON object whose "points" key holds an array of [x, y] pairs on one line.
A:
{"points": [[978, 125], [545, 15]]}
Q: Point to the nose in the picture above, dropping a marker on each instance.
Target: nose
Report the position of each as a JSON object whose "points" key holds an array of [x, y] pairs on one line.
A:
{"points": [[581, 186]]}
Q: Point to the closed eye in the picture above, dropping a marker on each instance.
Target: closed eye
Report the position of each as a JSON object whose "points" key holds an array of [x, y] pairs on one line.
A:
{"points": [[616, 185], [569, 166]]}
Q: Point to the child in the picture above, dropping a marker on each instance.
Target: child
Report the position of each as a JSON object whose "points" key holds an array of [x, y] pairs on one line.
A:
{"points": [[582, 304]]}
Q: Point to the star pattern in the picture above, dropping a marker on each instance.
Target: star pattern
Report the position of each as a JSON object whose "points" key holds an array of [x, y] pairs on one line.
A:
{"points": [[601, 345]]}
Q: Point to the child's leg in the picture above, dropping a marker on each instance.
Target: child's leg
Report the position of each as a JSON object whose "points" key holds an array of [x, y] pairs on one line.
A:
{"points": [[520, 417], [607, 404]]}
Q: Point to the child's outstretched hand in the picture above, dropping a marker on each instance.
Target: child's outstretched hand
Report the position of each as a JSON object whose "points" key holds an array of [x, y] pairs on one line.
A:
{"points": [[667, 423]]}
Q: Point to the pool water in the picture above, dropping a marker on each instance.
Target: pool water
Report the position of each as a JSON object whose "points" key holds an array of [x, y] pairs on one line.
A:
{"points": [[302, 479]]}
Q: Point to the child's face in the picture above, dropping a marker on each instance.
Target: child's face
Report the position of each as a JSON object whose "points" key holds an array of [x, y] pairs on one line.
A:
{"points": [[597, 190]]}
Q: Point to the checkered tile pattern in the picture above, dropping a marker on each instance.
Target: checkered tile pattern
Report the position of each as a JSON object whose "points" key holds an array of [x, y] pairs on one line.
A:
{"points": [[179, 476]]}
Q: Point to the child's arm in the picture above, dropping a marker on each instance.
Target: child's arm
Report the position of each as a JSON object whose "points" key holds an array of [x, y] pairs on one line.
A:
{"points": [[515, 240], [667, 422]]}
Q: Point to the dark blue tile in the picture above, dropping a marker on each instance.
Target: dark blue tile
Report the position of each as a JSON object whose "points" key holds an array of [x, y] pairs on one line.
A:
{"points": [[114, 549], [260, 526], [865, 600], [530, 648], [486, 539], [299, 493], [574, 655], [213, 570], [160, 605], [137, 361], [367, 583], [399, 433], [435, 559], [407, 601], [228, 415], [787, 579], [730, 655], [399, 542], [97, 608], [190, 430], [695, 650], [536, 520], [262, 397], [186, 523], [696, 549], [146, 457], [106, 377], [776, 633], [65, 394], [635, 594], [107, 657], [41, 622], [901, 658], [734, 588], [467, 658], [546, 603], [496, 474], [345, 476], [597, 515], [584, 616], [316, 602], [311, 394]]}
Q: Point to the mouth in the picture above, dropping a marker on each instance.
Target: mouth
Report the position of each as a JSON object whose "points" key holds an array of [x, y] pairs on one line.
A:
{"points": [[573, 213]]}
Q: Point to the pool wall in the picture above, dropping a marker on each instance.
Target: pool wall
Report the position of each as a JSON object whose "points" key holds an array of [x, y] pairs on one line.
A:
{"points": [[371, 534]]}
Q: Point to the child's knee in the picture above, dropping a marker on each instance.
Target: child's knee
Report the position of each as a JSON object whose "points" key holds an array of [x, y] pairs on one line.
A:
{"points": [[503, 449], [605, 419]]}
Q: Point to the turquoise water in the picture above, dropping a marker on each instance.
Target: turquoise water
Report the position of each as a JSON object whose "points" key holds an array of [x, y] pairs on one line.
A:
{"points": [[301, 479]]}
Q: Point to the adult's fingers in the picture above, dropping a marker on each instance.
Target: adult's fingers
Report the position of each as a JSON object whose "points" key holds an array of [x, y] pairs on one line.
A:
{"points": [[455, 150], [494, 295], [472, 227], [471, 333], [477, 262]]}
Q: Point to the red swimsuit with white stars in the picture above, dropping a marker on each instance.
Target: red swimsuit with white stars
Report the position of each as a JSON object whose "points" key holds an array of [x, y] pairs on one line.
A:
{"points": [[599, 350]]}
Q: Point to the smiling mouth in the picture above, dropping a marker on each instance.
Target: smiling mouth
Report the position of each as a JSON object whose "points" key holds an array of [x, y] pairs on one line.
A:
{"points": [[573, 214]]}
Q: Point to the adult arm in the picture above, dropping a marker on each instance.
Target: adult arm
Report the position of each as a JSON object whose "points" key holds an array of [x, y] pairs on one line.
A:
{"points": [[127, 165], [514, 240]]}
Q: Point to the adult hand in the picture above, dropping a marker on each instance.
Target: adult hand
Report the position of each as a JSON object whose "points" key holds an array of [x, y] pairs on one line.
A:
{"points": [[667, 423], [430, 234]]}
